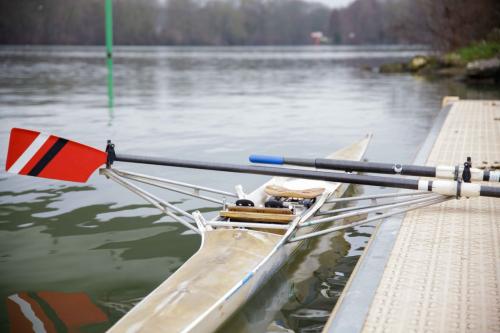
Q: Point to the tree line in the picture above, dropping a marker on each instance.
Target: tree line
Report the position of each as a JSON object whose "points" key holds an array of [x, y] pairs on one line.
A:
{"points": [[445, 23], [167, 22]]}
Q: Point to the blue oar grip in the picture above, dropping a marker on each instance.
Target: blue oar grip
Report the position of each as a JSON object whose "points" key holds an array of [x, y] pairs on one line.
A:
{"points": [[266, 159]]}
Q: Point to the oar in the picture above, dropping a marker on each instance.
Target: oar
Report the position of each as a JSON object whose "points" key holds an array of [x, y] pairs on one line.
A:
{"points": [[36, 154], [441, 171]]}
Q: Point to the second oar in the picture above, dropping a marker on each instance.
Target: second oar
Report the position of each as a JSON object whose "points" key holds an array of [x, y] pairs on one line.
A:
{"points": [[464, 172]]}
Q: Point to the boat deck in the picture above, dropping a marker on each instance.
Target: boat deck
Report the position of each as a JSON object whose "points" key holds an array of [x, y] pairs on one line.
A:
{"points": [[224, 259], [436, 269]]}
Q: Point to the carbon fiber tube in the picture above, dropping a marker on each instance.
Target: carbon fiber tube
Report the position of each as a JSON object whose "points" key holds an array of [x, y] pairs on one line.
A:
{"points": [[349, 166], [388, 168], [489, 191], [396, 182], [411, 184]]}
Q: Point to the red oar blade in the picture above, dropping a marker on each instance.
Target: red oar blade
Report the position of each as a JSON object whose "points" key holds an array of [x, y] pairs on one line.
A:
{"points": [[43, 155]]}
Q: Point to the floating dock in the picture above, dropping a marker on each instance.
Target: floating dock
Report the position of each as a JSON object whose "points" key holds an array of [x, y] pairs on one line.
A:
{"points": [[435, 269]]}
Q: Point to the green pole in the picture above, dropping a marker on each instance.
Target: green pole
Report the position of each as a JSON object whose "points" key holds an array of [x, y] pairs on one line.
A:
{"points": [[109, 50]]}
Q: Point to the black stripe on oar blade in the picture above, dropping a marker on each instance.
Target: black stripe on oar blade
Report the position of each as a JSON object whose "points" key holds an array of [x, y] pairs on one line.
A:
{"points": [[53, 151], [50, 312]]}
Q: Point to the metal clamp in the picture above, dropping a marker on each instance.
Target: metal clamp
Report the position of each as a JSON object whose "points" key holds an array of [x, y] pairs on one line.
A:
{"points": [[398, 168], [459, 189], [110, 150], [466, 174]]}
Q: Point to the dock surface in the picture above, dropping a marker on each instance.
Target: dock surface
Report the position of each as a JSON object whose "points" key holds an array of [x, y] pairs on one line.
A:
{"points": [[435, 269]]}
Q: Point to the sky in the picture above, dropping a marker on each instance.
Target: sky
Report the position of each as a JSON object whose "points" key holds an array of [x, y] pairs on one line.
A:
{"points": [[333, 3]]}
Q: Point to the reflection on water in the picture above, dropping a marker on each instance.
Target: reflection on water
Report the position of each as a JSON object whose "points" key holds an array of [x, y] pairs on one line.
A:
{"points": [[217, 104], [83, 248], [47, 311], [300, 297]]}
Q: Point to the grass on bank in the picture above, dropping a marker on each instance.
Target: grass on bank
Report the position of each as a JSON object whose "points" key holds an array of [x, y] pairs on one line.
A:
{"points": [[479, 50]]}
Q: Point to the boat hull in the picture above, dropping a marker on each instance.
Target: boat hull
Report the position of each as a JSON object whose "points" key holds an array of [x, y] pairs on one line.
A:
{"points": [[230, 266], [239, 294]]}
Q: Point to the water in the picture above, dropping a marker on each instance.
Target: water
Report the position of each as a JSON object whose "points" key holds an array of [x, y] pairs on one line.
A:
{"points": [[102, 249]]}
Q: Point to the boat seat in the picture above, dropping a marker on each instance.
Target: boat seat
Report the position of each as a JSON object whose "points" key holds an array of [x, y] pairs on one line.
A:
{"points": [[280, 191]]}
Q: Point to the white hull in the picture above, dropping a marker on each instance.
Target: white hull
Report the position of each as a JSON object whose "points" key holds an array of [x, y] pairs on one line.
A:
{"points": [[230, 266], [238, 295]]}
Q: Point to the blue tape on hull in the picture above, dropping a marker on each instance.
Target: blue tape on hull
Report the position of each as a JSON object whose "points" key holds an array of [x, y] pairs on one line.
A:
{"points": [[242, 283]]}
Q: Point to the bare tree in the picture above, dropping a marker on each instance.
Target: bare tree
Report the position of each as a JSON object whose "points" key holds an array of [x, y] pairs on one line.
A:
{"points": [[448, 24]]}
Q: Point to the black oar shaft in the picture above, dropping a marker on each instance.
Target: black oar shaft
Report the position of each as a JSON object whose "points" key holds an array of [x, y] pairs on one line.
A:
{"points": [[388, 168], [412, 184], [447, 172], [489, 191], [349, 166], [272, 171]]}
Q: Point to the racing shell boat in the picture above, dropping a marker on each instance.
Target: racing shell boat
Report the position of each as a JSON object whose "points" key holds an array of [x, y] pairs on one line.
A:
{"points": [[233, 261], [254, 236]]}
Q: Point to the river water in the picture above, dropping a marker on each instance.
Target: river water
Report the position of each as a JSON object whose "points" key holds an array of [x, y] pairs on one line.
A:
{"points": [[97, 249]]}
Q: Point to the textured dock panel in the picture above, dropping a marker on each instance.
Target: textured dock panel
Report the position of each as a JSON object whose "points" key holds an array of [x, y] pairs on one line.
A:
{"points": [[443, 274]]}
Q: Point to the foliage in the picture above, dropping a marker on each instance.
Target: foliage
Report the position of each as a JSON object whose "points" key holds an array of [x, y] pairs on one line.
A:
{"points": [[478, 51], [363, 22], [172, 22], [444, 24]]}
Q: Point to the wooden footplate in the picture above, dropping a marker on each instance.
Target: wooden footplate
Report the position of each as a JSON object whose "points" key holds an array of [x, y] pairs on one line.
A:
{"points": [[259, 210], [255, 214]]}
